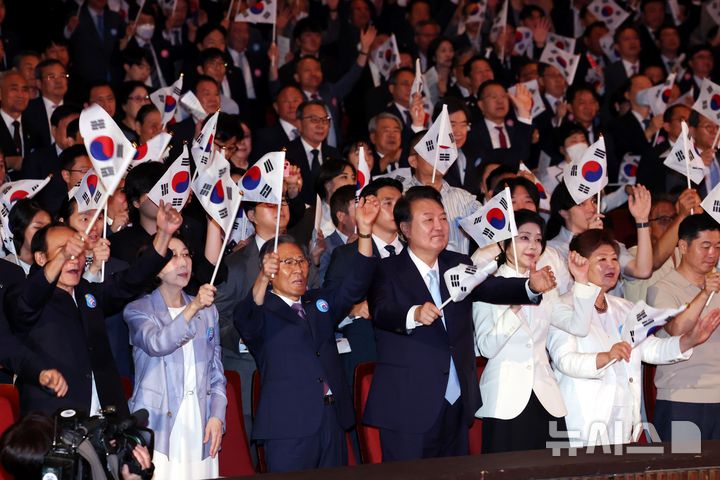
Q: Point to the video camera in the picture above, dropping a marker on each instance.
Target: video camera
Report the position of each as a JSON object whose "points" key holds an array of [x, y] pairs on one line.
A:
{"points": [[96, 447]]}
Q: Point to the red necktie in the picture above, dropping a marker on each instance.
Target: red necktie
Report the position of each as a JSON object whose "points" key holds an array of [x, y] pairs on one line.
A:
{"points": [[502, 137]]}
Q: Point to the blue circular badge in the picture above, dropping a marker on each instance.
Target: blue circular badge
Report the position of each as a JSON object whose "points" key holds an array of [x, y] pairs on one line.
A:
{"points": [[90, 300], [322, 305]]}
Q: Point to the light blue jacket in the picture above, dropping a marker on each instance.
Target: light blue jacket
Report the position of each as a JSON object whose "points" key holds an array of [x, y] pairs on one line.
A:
{"points": [[157, 340]]}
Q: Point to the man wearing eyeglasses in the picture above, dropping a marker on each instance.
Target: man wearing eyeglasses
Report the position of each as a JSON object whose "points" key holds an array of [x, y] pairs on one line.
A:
{"points": [[305, 405], [17, 137], [52, 81]]}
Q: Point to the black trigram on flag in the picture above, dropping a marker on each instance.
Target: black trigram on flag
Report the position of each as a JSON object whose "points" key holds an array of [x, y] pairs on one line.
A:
{"points": [[266, 190], [400, 179], [185, 162], [266, 15], [477, 220], [444, 157], [228, 193], [223, 212], [4, 211], [176, 202], [503, 203], [452, 138], [97, 196], [120, 150], [204, 159], [429, 145], [573, 171], [164, 189], [599, 153], [644, 319], [583, 188], [268, 166], [205, 190], [97, 124], [488, 233], [471, 270], [221, 171], [716, 206], [632, 336], [455, 280], [107, 172], [86, 198], [680, 156]]}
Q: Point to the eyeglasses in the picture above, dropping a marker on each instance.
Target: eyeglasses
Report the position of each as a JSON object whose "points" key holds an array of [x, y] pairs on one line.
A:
{"points": [[709, 127], [293, 262], [139, 98], [79, 170], [52, 76], [317, 120], [664, 219]]}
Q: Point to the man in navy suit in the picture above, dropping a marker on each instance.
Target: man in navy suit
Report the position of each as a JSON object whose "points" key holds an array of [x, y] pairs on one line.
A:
{"points": [[305, 404], [52, 81], [286, 129], [425, 392]]}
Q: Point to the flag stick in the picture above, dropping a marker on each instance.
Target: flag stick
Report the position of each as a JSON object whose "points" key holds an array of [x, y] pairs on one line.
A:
{"points": [[441, 135], [512, 239], [657, 134], [79, 8], [717, 135], [102, 269], [598, 203], [445, 303], [17, 259], [227, 17], [97, 213], [277, 226], [709, 298], [224, 245], [274, 39], [137, 17]]}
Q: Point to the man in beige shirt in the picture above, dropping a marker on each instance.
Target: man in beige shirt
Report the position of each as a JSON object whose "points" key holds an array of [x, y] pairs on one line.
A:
{"points": [[690, 391]]}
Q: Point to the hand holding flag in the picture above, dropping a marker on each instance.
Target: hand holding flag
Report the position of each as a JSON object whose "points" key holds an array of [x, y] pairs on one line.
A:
{"points": [[462, 279], [642, 321], [363, 171], [685, 159]]}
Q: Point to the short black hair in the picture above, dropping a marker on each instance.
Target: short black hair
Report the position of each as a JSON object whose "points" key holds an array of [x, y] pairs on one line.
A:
{"points": [[515, 182], [340, 200], [205, 78], [211, 54], [300, 112], [134, 55], [403, 212], [21, 216], [24, 444], [622, 28], [63, 111], [487, 84], [126, 89], [305, 25], [39, 240], [467, 68], [331, 168], [528, 10], [206, 29], [691, 227], [144, 111], [48, 62], [70, 154], [396, 73], [97, 84], [374, 187], [454, 105], [582, 87], [670, 111], [228, 126], [141, 180], [73, 128]]}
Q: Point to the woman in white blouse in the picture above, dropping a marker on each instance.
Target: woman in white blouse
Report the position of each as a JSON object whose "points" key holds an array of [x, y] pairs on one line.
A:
{"points": [[600, 376], [519, 392]]}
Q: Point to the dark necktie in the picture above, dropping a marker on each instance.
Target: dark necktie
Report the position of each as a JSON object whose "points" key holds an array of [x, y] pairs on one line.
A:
{"points": [[100, 25], [645, 123], [300, 311], [408, 118], [314, 96], [390, 249], [501, 137], [16, 137], [315, 163]]}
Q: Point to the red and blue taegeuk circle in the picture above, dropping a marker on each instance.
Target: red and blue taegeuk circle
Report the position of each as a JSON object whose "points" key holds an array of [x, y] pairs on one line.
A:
{"points": [[141, 152], [665, 95], [209, 144], [258, 8], [607, 11], [18, 195], [630, 170], [715, 102], [561, 61], [251, 179], [592, 171], [496, 218], [360, 179], [92, 182], [218, 193], [180, 182], [102, 148], [541, 190], [170, 103]]}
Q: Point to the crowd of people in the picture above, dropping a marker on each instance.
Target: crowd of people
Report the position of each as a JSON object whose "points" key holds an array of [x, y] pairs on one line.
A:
{"points": [[334, 276]]}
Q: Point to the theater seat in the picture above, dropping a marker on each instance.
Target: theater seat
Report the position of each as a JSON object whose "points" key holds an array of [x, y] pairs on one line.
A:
{"points": [[234, 456], [9, 414], [475, 434], [127, 386], [368, 437], [649, 390], [9, 392]]}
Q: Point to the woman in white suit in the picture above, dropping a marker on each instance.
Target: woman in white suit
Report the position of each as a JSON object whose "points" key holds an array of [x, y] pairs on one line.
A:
{"points": [[179, 374], [600, 376], [519, 391]]}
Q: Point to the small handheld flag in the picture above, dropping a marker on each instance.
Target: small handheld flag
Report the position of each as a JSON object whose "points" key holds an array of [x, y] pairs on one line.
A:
{"points": [[493, 222], [588, 176]]}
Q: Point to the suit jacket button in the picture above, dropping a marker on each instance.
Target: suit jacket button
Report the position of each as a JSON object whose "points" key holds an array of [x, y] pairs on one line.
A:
{"points": [[169, 414], [317, 353]]}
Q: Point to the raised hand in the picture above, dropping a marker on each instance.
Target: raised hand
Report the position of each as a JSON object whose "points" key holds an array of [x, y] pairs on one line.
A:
{"points": [[639, 203], [366, 211], [75, 247], [367, 38], [205, 296], [579, 267], [687, 202], [522, 100], [701, 331], [270, 265], [712, 282], [101, 254], [292, 180], [596, 221], [168, 219], [541, 280]]}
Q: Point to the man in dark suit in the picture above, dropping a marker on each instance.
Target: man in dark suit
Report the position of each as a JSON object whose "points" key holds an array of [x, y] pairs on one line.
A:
{"points": [[500, 137], [56, 303], [17, 138], [388, 143], [305, 405], [425, 393], [46, 160], [52, 82], [94, 42], [160, 52], [701, 63], [627, 44], [651, 19], [286, 129], [310, 150], [249, 62], [399, 86]]}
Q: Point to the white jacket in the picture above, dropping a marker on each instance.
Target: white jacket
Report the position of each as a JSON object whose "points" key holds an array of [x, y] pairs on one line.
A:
{"points": [[515, 346], [589, 393]]}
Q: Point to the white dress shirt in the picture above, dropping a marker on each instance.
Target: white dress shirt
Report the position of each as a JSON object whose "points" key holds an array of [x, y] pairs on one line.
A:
{"points": [[49, 109], [308, 152], [380, 244], [631, 68], [290, 130], [9, 124]]}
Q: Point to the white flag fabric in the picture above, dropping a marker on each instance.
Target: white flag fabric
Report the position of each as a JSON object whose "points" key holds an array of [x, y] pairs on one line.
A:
{"points": [[154, 150], [263, 181], [242, 229], [174, 186], [713, 9], [711, 203], [193, 106], [499, 23], [109, 150], [675, 12], [217, 193], [166, 100], [462, 279], [658, 97], [475, 12], [363, 171], [563, 43], [386, 57], [88, 193], [708, 103], [523, 40], [418, 85], [262, 11], [608, 47], [608, 12], [202, 146], [438, 147], [566, 62], [686, 98], [628, 169], [684, 153], [493, 222], [588, 176], [642, 321], [538, 106], [10, 193], [544, 198], [402, 175]]}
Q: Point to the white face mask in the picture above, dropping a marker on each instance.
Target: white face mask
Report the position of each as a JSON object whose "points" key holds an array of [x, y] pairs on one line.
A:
{"points": [[145, 31], [575, 152]]}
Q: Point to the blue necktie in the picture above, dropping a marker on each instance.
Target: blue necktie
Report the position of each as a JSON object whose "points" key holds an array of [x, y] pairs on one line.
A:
{"points": [[714, 174], [100, 25], [452, 391]]}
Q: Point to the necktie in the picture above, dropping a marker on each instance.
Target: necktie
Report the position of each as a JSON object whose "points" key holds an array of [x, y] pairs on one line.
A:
{"points": [[645, 123], [247, 76], [294, 133], [100, 25], [176, 37], [390, 249], [314, 96], [408, 118], [300, 311], [16, 137], [634, 69], [315, 164], [462, 166], [501, 137], [452, 391]]}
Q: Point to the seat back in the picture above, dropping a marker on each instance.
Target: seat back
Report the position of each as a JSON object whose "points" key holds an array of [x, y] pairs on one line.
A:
{"points": [[234, 457], [9, 414], [475, 434], [649, 390], [9, 392], [368, 437]]}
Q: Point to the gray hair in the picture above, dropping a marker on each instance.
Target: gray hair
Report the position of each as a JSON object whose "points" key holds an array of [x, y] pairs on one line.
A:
{"points": [[372, 124]]}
